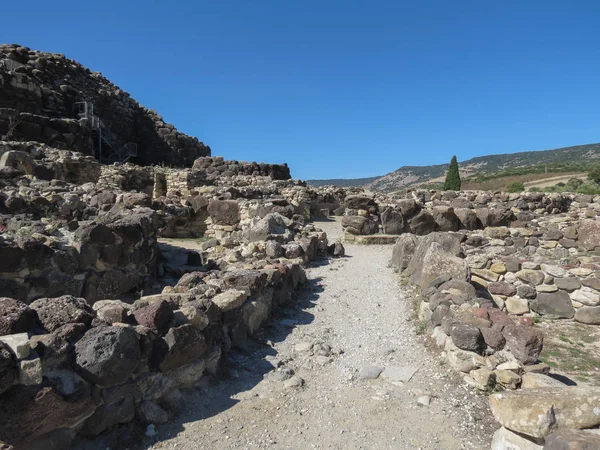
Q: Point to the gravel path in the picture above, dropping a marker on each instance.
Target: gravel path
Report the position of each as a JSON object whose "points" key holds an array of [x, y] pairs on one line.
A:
{"points": [[299, 384]]}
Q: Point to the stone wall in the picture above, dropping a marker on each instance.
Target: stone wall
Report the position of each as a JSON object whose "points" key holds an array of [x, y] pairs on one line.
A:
{"points": [[480, 294], [96, 261], [68, 368], [48, 85], [423, 212], [48, 163]]}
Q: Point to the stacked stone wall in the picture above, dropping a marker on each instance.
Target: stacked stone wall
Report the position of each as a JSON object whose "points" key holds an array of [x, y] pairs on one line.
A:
{"points": [[47, 86]]}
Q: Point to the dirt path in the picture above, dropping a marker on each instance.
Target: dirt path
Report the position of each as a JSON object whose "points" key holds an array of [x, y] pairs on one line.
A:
{"points": [[546, 182], [353, 317]]}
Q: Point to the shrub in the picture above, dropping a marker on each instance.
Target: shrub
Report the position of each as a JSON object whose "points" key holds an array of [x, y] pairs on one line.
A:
{"points": [[515, 187], [573, 184], [594, 175], [535, 189], [589, 188]]}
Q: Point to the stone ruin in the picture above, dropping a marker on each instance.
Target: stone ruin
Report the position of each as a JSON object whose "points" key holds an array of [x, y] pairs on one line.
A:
{"points": [[104, 320], [40, 98], [100, 322], [485, 268]]}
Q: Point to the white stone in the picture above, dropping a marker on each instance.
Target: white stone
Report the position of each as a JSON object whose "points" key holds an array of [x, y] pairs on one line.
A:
{"points": [[585, 296], [18, 344], [555, 271], [581, 271], [30, 371], [439, 336], [507, 440], [516, 305], [229, 299]]}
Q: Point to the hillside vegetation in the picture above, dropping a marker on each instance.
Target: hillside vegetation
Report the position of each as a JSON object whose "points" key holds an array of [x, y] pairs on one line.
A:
{"points": [[486, 172]]}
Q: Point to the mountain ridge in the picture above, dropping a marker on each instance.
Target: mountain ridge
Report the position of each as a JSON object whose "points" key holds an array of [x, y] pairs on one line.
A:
{"points": [[560, 159]]}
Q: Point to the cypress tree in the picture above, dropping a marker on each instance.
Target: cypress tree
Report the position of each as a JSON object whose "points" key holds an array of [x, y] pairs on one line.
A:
{"points": [[452, 177]]}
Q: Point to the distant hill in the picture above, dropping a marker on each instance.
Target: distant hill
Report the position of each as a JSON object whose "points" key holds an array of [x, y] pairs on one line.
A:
{"points": [[343, 182], [482, 168]]}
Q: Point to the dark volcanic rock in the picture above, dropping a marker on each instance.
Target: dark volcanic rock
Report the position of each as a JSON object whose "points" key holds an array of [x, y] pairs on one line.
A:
{"points": [[15, 317], [180, 346], [8, 368], [56, 312], [423, 223], [108, 355], [467, 337], [224, 212], [30, 412], [156, 316]]}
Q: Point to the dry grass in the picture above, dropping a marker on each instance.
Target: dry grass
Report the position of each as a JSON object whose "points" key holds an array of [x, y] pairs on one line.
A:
{"points": [[573, 349], [499, 184]]}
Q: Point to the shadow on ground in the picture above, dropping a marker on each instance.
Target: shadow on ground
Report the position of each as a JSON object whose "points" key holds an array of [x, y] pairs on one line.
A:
{"points": [[241, 370]]}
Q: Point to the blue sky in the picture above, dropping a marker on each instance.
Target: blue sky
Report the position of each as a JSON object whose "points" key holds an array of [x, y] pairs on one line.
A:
{"points": [[341, 88]]}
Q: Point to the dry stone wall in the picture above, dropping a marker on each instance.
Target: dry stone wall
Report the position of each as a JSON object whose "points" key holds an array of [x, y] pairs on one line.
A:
{"points": [[39, 96], [480, 290], [69, 369], [82, 349]]}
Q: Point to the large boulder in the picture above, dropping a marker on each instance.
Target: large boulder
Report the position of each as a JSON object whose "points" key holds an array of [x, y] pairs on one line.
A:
{"points": [[359, 201], [15, 317], [553, 304], [467, 337], [450, 243], [403, 251], [467, 219], [29, 413], [360, 225], [588, 314], [108, 355], [437, 262], [157, 316], [56, 312], [21, 161], [445, 218], [392, 221], [572, 440], [272, 225], [589, 234], [423, 223], [224, 212], [538, 412]]}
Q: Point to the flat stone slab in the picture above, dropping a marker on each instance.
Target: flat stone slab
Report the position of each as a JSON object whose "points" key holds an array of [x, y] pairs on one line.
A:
{"points": [[398, 374], [371, 239], [369, 372]]}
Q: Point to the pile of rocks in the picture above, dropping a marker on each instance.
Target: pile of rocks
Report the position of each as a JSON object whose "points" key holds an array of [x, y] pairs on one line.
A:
{"points": [[423, 212]]}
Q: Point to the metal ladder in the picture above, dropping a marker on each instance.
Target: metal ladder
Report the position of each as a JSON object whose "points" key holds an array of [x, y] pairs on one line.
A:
{"points": [[109, 149]]}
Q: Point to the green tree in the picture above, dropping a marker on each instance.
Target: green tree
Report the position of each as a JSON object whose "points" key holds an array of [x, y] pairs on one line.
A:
{"points": [[452, 177], [594, 175]]}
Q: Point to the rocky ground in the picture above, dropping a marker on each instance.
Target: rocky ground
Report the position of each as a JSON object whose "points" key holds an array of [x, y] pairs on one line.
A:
{"points": [[306, 381]]}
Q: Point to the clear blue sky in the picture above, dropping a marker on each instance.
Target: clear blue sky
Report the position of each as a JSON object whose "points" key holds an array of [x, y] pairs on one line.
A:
{"points": [[341, 88]]}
